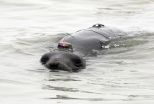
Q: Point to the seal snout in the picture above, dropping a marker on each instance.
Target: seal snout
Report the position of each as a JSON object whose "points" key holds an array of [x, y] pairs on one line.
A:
{"points": [[62, 61], [54, 65]]}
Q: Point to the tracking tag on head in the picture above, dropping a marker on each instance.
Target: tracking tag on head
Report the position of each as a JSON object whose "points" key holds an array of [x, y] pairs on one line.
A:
{"points": [[62, 45]]}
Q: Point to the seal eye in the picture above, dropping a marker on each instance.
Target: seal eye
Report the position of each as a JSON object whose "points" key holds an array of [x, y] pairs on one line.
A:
{"points": [[78, 62], [44, 59]]}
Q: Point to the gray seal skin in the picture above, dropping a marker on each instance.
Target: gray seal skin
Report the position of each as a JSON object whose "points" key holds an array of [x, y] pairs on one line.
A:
{"points": [[62, 60], [94, 38], [73, 47]]}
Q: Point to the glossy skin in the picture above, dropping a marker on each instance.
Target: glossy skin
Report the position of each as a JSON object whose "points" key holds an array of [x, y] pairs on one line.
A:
{"points": [[93, 38], [81, 44], [61, 60]]}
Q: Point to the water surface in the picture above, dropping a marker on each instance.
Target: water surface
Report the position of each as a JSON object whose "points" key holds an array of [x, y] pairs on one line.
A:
{"points": [[121, 75]]}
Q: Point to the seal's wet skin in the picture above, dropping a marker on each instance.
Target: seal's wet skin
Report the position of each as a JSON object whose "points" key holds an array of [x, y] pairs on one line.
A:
{"points": [[72, 48], [62, 60]]}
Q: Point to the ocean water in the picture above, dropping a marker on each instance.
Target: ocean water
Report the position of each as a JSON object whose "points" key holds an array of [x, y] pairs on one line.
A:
{"points": [[119, 75]]}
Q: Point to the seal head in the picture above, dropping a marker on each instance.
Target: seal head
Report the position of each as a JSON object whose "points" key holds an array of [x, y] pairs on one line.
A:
{"points": [[63, 61]]}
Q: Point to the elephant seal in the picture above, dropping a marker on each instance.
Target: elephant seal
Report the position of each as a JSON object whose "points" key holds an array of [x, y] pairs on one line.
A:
{"points": [[73, 47], [62, 60]]}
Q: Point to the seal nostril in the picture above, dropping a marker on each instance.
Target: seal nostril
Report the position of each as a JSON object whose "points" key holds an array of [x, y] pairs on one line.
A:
{"points": [[54, 65]]}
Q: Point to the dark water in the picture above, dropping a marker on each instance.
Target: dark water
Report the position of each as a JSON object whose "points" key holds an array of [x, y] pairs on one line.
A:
{"points": [[123, 74]]}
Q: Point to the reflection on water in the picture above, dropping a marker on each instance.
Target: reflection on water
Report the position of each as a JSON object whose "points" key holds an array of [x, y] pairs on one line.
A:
{"points": [[122, 73]]}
